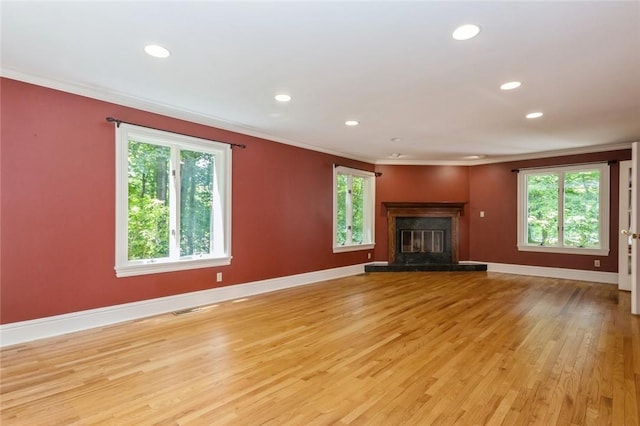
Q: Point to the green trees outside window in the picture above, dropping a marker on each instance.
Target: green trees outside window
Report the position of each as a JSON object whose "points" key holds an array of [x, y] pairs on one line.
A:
{"points": [[542, 204], [350, 206], [149, 227], [582, 209], [563, 208], [341, 208], [148, 182], [173, 208], [196, 197], [354, 204], [357, 210]]}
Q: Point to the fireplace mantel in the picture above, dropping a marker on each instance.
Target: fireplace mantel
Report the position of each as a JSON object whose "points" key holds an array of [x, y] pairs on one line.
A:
{"points": [[424, 205], [395, 210]]}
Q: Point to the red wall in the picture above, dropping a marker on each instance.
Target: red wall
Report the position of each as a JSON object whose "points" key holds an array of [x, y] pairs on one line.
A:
{"points": [[493, 238], [57, 207], [57, 211], [424, 184]]}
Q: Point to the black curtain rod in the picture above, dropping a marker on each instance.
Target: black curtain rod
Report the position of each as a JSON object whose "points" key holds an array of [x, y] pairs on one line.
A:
{"points": [[609, 162], [119, 122], [377, 174]]}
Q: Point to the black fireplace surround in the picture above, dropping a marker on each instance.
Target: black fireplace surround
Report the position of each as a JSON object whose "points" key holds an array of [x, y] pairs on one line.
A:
{"points": [[422, 231]]}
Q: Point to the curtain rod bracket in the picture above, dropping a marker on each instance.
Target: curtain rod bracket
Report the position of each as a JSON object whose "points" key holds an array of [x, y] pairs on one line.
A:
{"points": [[114, 120]]}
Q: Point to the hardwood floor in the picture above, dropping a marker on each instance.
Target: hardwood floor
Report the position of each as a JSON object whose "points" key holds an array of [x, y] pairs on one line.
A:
{"points": [[382, 349]]}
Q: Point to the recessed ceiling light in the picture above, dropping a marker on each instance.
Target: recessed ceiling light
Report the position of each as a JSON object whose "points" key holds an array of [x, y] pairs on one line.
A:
{"points": [[465, 32], [510, 85], [396, 139], [534, 115], [156, 51], [351, 123], [283, 98], [396, 155]]}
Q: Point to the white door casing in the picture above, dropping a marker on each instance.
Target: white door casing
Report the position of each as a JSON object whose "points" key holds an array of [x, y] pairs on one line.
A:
{"points": [[635, 253], [625, 213]]}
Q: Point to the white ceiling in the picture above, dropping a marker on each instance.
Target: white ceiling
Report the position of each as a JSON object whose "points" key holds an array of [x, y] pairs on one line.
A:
{"points": [[391, 65]]}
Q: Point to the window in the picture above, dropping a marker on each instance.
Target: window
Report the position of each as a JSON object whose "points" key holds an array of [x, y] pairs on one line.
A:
{"points": [[173, 209], [564, 209], [354, 206]]}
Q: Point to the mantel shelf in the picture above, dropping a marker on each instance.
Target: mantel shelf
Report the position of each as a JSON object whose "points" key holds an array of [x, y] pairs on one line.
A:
{"points": [[423, 205]]}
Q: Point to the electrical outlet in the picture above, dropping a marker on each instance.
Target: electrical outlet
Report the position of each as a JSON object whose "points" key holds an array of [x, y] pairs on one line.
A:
{"points": [[219, 277], [482, 213], [596, 263], [368, 255]]}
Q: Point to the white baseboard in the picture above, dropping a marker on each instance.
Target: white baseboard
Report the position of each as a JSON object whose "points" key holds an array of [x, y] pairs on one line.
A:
{"points": [[543, 271], [26, 331]]}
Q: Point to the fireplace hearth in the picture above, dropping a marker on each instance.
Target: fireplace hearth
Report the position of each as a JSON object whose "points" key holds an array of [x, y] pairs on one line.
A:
{"points": [[423, 237]]}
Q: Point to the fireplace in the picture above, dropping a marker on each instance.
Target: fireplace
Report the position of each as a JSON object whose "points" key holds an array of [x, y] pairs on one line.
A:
{"points": [[423, 237], [423, 233]]}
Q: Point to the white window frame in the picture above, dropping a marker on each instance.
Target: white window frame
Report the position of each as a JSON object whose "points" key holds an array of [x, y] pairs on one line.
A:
{"points": [[222, 248], [604, 198], [368, 210]]}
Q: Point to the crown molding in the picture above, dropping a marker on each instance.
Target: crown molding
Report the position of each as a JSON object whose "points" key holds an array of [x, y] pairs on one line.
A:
{"points": [[556, 153], [173, 111], [168, 110], [509, 158]]}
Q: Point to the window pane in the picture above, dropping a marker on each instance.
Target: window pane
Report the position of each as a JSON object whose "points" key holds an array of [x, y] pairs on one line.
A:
{"points": [[357, 200], [196, 194], [542, 209], [582, 209], [148, 197], [341, 195]]}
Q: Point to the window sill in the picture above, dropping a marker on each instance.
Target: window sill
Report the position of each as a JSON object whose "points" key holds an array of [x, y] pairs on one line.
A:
{"points": [[355, 247], [131, 270], [565, 250]]}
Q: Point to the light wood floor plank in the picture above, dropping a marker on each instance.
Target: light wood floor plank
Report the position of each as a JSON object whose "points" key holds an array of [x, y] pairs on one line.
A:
{"points": [[412, 348]]}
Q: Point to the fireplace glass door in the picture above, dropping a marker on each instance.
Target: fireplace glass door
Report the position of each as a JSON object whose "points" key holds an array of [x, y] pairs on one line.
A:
{"points": [[422, 241]]}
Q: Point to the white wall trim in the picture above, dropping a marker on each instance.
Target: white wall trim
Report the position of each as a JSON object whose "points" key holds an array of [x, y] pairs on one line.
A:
{"points": [[543, 271], [26, 331]]}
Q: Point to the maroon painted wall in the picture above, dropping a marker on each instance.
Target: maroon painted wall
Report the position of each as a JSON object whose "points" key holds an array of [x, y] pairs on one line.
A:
{"points": [[493, 238], [58, 199], [57, 207], [424, 184]]}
